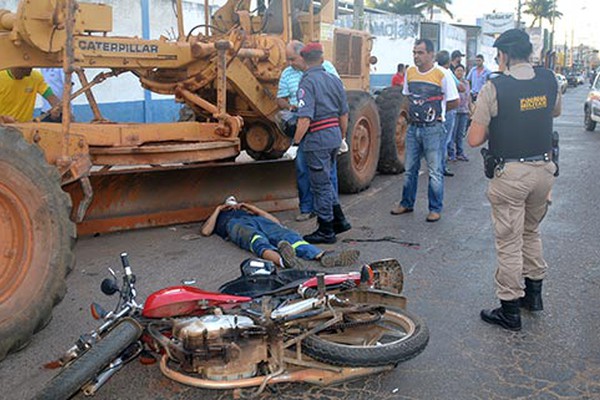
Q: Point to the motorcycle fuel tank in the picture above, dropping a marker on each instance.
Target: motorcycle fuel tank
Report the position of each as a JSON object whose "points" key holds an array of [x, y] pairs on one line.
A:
{"points": [[186, 300]]}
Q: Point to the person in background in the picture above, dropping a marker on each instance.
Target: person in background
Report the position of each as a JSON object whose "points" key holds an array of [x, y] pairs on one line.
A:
{"points": [[398, 78], [443, 60], [18, 90], [456, 149], [455, 59], [430, 91], [514, 114], [478, 76], [287, 100], [55, 78]]}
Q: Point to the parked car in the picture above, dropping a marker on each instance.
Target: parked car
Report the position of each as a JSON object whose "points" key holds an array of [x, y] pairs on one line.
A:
{"points": [[592, 106], [562, 82]]}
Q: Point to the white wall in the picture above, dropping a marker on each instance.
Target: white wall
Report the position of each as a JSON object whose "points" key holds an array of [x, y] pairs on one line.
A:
{"points": [[127, 21], [488, 51], [452, 38], [395, 37]]}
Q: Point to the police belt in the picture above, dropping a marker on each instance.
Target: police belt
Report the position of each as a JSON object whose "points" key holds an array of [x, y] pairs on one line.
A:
{"points": [[316, 126], [542, 157]]}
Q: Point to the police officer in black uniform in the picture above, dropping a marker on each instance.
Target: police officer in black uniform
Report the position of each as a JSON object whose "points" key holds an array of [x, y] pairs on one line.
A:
{"points": [[514, 114], [322, 123]]}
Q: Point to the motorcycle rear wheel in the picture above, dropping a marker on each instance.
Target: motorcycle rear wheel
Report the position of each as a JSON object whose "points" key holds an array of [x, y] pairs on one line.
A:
{"points": [[72, 377], [397, 337]]}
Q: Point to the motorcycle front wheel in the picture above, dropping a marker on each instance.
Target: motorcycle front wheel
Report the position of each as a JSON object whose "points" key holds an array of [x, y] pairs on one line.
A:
{"points": [[85, 368], [398, 336]]}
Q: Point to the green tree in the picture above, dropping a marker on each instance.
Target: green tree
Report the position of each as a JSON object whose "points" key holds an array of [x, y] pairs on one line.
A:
{"points": [[411, 7], [402, 7], [542, 10], [430, 5]]}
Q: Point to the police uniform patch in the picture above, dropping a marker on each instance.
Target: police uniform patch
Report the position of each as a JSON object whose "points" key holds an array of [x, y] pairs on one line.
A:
{"points": [[534, 103]]}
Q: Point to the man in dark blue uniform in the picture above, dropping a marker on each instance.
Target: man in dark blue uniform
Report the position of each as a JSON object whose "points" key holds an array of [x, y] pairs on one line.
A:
{"points": [[322, 123]]}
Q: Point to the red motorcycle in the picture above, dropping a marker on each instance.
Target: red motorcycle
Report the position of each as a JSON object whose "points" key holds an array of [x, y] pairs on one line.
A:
{"points": [[287, 326]]}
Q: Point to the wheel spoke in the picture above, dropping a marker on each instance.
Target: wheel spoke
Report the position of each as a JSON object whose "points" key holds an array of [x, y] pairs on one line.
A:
{"points": [[369, 335], [393, 332]]}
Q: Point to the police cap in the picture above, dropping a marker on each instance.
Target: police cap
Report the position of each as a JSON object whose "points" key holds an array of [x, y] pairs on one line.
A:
{"points": [[512, 38]]}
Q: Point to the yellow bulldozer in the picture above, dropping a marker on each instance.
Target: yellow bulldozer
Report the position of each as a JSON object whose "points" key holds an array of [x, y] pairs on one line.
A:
{"points": [[58, 180]]}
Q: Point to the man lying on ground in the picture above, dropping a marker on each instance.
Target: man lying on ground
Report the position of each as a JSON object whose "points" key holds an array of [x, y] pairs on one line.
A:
{"points": [[256, 230]]}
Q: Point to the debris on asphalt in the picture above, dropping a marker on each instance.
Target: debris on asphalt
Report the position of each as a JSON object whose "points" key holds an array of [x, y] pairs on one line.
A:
{"points": [[191, 236]]}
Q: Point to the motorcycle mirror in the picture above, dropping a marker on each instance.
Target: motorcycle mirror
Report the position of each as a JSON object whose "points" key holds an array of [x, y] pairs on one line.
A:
{"points": [[366, 275], [97, 311], [109, 286]]}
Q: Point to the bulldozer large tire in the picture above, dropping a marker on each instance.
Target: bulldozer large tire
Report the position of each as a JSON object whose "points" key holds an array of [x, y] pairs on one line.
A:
{"points": [[36, 249], [357, 167], [392, 105]]}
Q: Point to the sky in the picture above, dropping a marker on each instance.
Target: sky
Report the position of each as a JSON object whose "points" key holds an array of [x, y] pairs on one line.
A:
{"points": [[581, 17]]}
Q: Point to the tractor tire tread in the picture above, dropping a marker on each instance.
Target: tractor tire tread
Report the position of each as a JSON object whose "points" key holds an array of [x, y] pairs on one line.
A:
{"points": [[16, 331]]}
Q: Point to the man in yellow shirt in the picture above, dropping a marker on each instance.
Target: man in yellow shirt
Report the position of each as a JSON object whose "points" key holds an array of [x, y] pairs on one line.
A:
{"points": [[18, 90]]}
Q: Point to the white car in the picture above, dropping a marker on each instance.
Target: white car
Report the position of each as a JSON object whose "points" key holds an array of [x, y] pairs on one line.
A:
{"points": [[592, 106], [562, 82]]}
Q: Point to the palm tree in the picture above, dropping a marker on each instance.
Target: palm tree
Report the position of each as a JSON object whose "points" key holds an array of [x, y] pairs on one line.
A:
{"points": [[402, 7], [430, 5], [541, 10]]}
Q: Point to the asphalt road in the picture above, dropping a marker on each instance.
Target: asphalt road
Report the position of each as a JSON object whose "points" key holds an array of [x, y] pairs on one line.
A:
{"points": [[449, 278]]}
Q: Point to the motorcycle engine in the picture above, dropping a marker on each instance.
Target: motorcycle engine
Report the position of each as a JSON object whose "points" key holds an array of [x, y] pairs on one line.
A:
{"points": [[223, 347]]}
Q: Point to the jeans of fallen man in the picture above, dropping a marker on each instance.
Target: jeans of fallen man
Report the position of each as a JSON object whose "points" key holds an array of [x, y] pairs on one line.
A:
{"points": [[449, 128], [305, 195], [456, 147], [320, 164], [519, 199], [257, 234], [424, 142]]}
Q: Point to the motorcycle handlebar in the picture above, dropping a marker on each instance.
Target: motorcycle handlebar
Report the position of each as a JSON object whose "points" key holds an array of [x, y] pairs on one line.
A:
{"points": [[125, 260]]}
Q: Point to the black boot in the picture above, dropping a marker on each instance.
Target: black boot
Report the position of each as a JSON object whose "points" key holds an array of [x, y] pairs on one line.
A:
{"points": [[324, 234], [507, 316], [340, 223], [533, 295]]}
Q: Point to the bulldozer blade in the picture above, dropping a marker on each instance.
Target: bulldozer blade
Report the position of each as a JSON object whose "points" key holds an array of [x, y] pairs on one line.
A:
{"points": [[158, 196]]}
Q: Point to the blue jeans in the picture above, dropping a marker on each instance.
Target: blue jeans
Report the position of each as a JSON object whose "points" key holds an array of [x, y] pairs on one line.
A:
{"points": [[460, 128], [425, 142], [257, 234], [305, 195], [320, 166], [449, 128]]}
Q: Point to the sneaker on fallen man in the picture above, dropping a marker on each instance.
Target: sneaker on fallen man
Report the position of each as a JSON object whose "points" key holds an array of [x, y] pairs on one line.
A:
{"points": [[342, 258], [288, 256], [305, 216]]}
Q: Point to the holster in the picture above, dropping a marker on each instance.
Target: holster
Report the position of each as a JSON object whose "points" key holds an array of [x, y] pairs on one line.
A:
{"points": [[490, 162], [555, 151]]}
